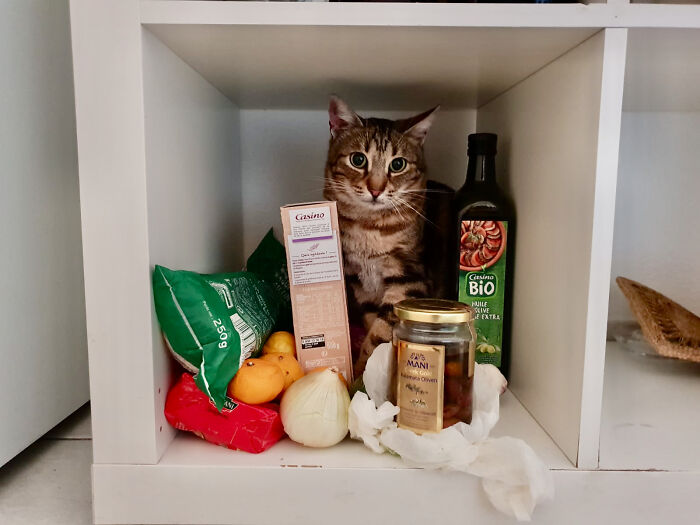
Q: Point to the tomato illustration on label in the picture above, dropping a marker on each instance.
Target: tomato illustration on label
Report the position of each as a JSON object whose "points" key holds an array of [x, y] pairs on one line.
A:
{"points": [[481, 245]]}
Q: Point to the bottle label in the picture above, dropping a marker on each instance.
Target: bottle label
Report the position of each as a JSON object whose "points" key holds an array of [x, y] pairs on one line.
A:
{"points": [[482, 273], [420, 386]]}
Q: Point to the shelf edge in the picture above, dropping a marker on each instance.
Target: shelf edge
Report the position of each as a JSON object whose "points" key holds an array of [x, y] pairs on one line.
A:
{"points": [[176, 12]]}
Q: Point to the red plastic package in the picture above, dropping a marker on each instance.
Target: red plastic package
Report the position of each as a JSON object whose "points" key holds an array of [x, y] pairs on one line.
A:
{"points": [[252, 428]]}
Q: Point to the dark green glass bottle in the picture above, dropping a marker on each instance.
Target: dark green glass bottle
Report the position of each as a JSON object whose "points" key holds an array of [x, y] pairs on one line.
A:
{"points": [[484, 237]]}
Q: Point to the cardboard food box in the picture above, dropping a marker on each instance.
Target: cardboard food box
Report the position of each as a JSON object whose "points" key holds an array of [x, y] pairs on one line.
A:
{"points": [[317, 286]]}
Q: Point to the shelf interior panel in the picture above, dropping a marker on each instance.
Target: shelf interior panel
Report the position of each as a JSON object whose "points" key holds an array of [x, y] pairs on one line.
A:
{"points": [[663, 70], [390, 68], [515, 421], [650, 412]]}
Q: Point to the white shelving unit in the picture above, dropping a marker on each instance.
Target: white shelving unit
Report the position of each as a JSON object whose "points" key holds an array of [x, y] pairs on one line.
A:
{"points": [[196, 120]]}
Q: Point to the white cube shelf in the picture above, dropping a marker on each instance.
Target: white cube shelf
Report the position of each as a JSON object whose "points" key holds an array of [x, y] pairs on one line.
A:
{"points": [[197, 120]]}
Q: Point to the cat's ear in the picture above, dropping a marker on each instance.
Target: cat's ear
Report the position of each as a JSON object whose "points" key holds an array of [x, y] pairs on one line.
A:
{"points": [[417, 127], [341, 117]]}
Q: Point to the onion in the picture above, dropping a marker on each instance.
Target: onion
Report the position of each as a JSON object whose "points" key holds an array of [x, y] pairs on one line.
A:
{"points": [[314, 410]]}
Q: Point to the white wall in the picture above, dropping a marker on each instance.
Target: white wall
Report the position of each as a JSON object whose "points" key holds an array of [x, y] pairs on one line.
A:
{"points": [[284, 153], [657, 239], [43, 377]]}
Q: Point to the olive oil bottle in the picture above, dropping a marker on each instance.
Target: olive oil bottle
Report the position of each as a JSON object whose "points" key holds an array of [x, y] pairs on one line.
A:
{"points": [[484, 238]]}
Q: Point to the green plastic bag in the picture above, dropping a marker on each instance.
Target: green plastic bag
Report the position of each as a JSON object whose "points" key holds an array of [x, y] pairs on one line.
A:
{"points": [[214, 322], [269, 262]]}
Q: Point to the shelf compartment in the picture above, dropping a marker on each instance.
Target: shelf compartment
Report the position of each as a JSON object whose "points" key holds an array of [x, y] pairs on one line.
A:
{"points": [[214, 174], [650, 413]]}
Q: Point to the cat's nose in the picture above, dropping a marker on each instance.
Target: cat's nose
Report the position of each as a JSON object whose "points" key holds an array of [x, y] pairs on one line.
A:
{"points": [[375, 193]]}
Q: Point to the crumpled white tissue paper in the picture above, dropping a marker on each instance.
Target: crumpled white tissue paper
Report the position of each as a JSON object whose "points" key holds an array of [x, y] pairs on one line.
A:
{"points": [[512, 475]]}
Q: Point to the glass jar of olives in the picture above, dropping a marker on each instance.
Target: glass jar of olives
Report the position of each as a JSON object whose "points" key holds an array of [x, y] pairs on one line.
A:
{"points": [[434, 345]]}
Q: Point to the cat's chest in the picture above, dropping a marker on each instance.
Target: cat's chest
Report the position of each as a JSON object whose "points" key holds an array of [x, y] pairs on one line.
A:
{"points": [[367, 255], [365, 243]]}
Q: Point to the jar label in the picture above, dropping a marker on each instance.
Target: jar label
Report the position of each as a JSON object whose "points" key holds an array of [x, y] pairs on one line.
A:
{"points": [[420, 386], [482, 265]]}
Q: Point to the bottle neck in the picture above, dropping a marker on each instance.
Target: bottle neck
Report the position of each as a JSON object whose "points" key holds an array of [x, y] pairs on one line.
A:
{"points": [[481, 169]]}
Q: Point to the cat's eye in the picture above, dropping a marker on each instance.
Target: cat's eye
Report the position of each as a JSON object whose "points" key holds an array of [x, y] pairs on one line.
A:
{"points": [[358, 160], [397, 165]]}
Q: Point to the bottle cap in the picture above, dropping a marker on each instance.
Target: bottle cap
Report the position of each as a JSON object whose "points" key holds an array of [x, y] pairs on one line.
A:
{"points": [[481, 144]]}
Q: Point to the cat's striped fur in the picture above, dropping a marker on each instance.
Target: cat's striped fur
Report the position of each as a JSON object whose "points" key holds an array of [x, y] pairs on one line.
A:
{"points": [[381, 214]]}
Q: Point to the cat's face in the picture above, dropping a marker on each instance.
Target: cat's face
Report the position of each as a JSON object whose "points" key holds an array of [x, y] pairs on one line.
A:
{"points": [[375, 165]]}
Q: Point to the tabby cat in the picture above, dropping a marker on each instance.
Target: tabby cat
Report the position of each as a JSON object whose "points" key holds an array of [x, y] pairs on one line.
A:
{"points": [[376, 173]]}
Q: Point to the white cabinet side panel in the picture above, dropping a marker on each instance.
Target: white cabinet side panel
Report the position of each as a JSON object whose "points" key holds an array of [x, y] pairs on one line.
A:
{"points": [[44, 376], [548, 133], [612, 84], [109, 117], [657, 241], [284, 156], [194, 186]]}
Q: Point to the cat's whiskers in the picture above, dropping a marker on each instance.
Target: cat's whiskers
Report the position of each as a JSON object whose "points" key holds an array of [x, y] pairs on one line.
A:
{"points": [[418, 197], [323, 188], [332, 182], [396, 208], [336, 186], [405, 203], [331, 185], [424, 191]]}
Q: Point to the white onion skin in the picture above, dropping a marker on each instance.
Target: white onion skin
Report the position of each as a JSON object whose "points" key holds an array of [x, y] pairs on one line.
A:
{"points": [[314, 409]]}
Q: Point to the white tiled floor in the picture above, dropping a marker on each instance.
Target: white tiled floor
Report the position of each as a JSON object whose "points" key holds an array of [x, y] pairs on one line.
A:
{"points": [[49, 483]]}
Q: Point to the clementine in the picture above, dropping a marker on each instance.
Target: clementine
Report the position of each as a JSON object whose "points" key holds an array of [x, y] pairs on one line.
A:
{"points": [[257, 381], [280, 343], [290, 366]]}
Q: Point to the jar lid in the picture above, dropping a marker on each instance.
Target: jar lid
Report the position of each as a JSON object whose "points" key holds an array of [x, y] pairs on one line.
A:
{"points": [[437, 311]]}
